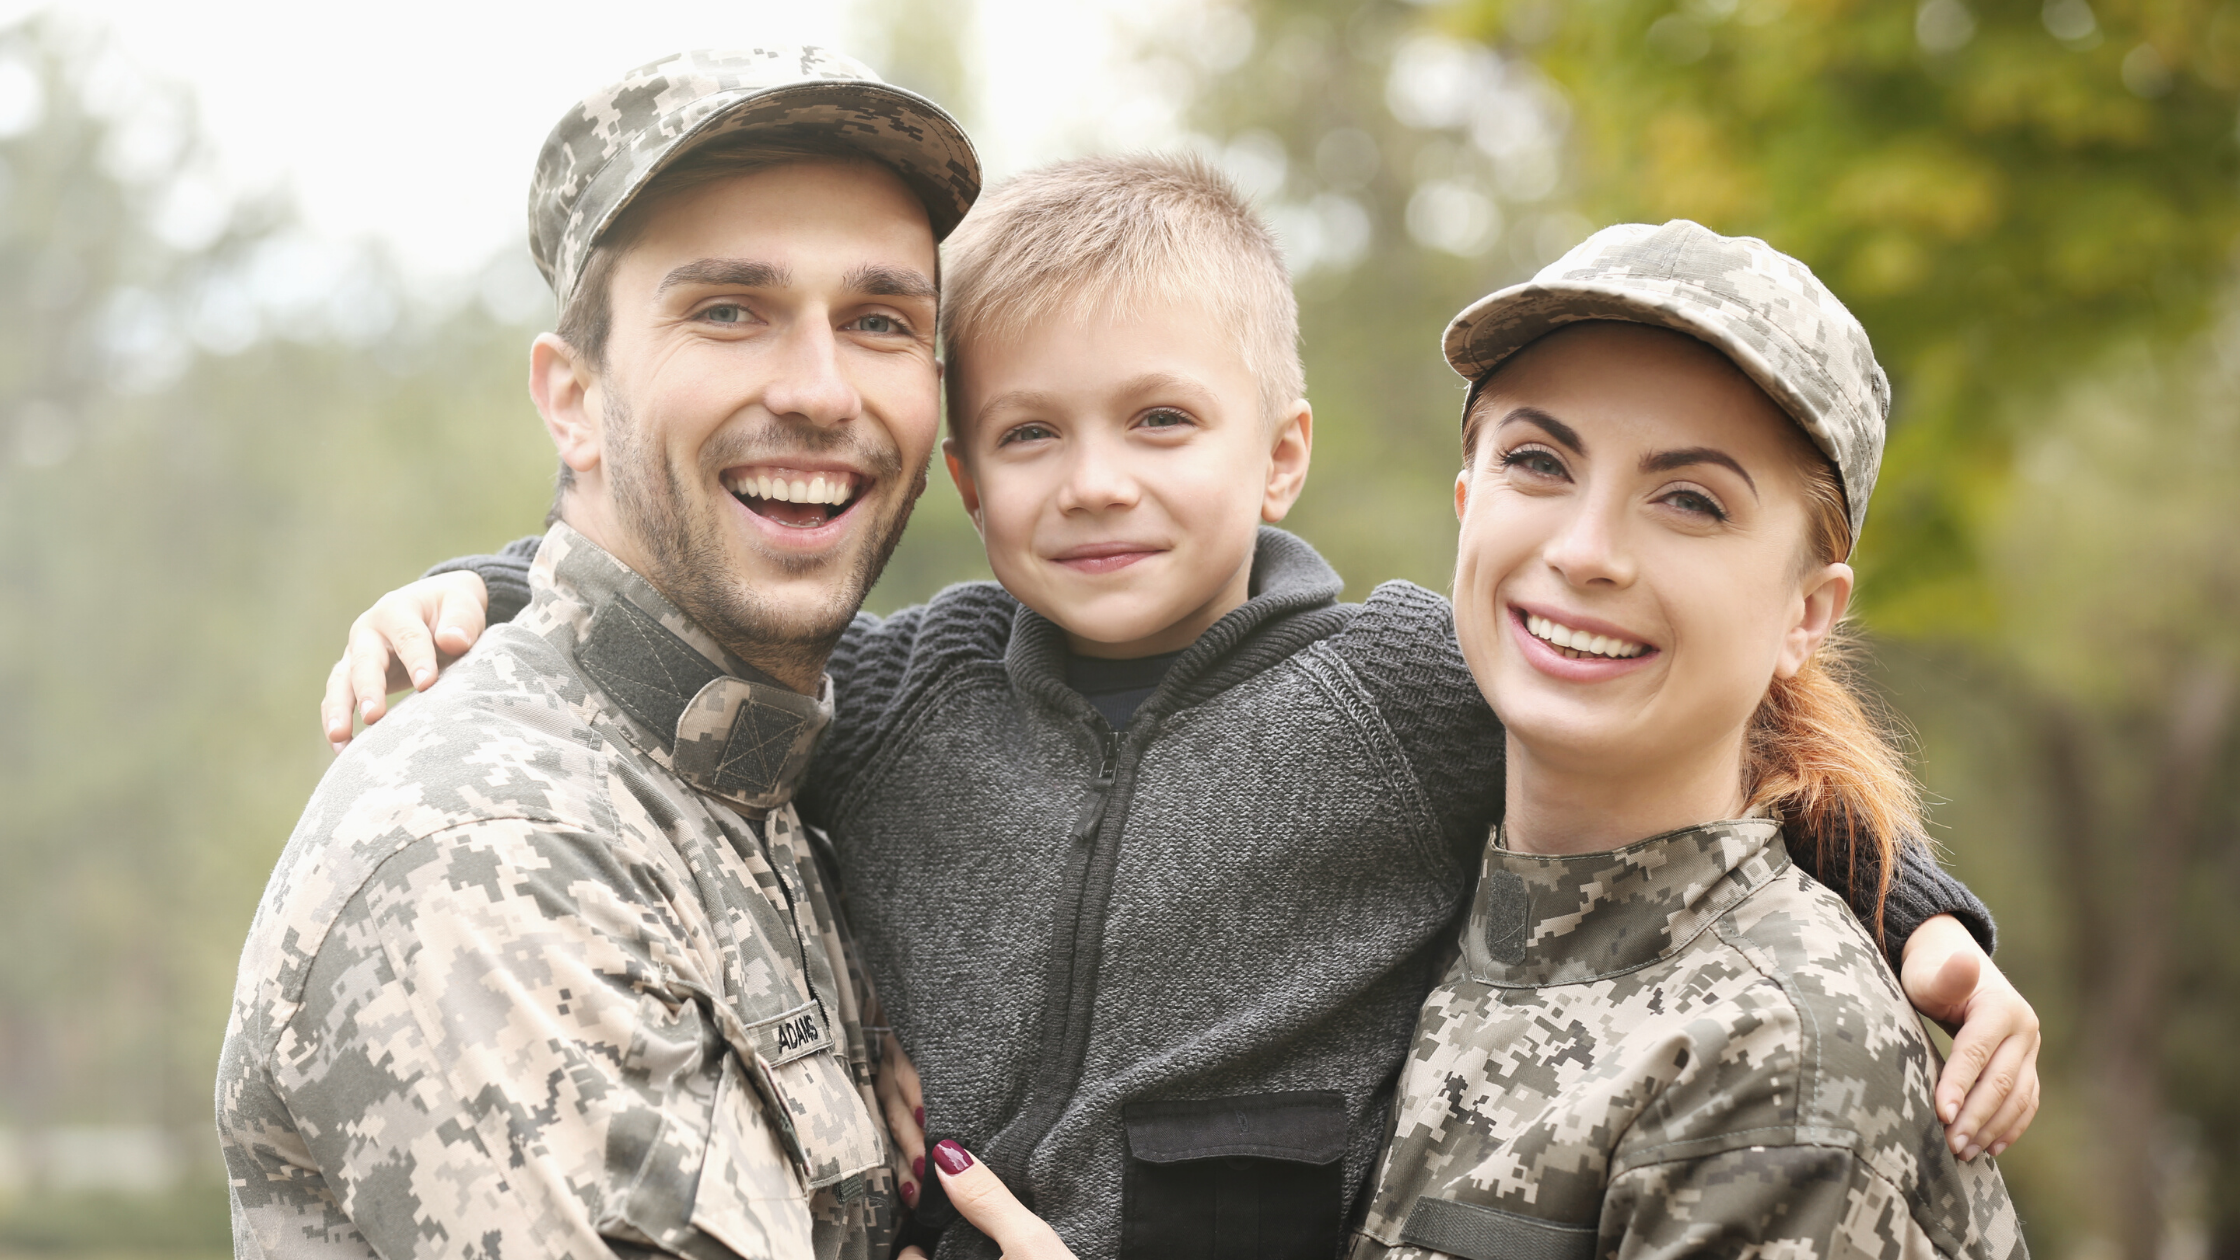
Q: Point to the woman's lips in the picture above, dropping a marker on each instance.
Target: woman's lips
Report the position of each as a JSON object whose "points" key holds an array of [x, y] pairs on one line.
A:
{"points": [[1106, 557], [1544, 656]]}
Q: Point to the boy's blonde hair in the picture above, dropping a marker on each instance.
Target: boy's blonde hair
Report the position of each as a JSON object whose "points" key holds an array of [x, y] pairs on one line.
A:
{"points": [[1116, 235]]}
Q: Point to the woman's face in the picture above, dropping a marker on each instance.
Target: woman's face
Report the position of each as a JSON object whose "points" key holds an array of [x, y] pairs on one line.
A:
{"points": [[1633, 572]]}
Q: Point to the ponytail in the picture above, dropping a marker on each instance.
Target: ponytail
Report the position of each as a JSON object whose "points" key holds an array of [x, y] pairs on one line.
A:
{"points": [[1823, 758]]}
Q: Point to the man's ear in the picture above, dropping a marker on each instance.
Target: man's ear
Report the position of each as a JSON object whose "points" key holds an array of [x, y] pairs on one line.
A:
{"points": [[1827, 593], [1287, 462], [967, 488], [562, 384]]}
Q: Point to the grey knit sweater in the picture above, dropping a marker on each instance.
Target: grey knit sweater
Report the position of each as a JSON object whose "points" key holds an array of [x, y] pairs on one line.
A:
{"points": [[1162, 979]]}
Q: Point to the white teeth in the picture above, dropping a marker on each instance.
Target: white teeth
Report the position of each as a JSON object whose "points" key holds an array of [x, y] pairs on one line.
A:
{"points": [[762, 487], [816, 490], [1579, 640], [800, 491], [830, 488]]}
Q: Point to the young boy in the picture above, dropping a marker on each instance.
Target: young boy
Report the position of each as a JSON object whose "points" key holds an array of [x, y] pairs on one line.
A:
{"points": [[1153, 850]]}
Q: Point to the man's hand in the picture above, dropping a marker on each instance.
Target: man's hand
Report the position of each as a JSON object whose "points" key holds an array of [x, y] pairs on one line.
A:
{"points": [[982, 1198], [1988, 1094], [905, 1105], [404, 640]]}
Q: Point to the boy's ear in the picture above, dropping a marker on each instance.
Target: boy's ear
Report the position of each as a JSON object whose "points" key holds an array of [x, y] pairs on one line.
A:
{"points": [[561, 384], [967, 488], [1287, 462]]}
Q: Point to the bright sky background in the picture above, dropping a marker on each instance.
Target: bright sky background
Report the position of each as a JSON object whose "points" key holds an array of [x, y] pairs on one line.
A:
{"points": [[416, 122]]}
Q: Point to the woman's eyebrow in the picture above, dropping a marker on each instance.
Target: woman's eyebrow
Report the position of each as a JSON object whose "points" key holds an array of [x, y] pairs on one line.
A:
{"points": [[1557, 429], [1666, 461]]}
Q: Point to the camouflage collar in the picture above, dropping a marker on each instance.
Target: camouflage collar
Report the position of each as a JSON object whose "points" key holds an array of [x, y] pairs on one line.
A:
{"points": [[1541, 920], [714, 720]]}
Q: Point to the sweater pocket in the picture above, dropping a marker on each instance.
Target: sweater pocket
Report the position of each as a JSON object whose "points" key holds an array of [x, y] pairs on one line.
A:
{"points": [[1255, 1177]]}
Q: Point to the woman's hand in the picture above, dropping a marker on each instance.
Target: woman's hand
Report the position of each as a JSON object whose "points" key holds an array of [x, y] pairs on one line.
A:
{"points": [[982, 1199], [1988, 1094], [404, 640], [905, 1106]]}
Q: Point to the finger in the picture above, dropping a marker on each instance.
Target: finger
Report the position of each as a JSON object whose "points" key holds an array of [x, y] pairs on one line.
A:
{"points": [[2025, 1114], [911, 1253], [334, 708], [982, 1199], [2001, 1081], [464, 613], [1972, 1047], [904, 1105], [368, 654], [402, 620], [1944, 995]]}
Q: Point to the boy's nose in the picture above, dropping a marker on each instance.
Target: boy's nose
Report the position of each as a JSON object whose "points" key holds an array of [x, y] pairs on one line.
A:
{"points": [[1095, 482], [807, 381]]}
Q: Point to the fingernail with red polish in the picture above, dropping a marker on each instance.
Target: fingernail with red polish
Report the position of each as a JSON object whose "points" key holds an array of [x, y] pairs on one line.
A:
{"points": [[953, 1158], [918, 1166], [909, 1194], [921, 1117]]}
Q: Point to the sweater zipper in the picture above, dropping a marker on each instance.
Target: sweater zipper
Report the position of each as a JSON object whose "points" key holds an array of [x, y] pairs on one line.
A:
{"points": [[1100, 792]]}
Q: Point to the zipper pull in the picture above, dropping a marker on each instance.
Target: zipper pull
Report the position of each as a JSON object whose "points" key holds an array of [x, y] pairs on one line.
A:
{"points": [[1092, 810], [1111, 759]]}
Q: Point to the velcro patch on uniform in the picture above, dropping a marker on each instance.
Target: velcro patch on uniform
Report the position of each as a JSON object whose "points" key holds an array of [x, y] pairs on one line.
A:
{"points": [[1482, 1233], [784, 1038]]}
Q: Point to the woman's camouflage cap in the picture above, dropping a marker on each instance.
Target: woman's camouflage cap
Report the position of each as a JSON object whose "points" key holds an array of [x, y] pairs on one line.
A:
{"points": [[1761, 308], [608, 148]]}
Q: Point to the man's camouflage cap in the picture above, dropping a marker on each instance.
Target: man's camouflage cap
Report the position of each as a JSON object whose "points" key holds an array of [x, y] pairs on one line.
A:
{"points": [[1761, 308], [608, 148]]}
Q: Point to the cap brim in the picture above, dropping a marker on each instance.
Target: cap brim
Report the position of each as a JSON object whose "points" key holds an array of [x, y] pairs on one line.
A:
{"points": [[1491, 330], [899, 128]]}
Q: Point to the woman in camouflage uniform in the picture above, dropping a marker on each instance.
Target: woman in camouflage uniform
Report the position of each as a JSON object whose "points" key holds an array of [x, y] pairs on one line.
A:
{"points": [[1678, 1044]]}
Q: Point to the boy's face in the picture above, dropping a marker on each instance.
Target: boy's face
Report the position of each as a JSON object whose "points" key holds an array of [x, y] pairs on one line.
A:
{"points": [[1118, 470]]}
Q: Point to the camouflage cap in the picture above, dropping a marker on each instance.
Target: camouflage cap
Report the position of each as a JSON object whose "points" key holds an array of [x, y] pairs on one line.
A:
{"points": [[609, 147], [1761, 308]]}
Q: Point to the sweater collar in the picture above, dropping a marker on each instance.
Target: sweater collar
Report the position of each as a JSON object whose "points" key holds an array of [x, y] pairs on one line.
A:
{"points": [[711, 718], [1541, 919], [1288, 578]]}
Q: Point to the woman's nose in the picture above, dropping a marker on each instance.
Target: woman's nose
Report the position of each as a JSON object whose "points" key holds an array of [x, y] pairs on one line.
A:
{"points": [[1590, 549]]}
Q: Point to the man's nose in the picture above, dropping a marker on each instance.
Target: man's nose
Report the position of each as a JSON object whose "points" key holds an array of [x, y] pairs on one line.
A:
{"points": [[1590, 549], [807, 379]]}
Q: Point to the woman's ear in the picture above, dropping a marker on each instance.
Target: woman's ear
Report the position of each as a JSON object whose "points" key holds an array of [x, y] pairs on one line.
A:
{"points": [[1461, 492], [1826, 596], [967, 488], [1287, 462]]}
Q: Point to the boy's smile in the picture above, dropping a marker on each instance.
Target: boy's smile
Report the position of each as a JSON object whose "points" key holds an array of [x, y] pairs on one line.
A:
{"points": [[1118, 467]]}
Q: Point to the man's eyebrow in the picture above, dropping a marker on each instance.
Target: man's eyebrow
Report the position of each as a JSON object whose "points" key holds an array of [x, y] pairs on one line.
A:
{"points": [[880, 280], [1666, 461], [744, 273], [1557, 429]]}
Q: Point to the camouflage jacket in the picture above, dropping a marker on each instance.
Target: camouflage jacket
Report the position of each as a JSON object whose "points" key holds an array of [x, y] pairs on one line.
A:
{"points": [[531, 981], [1683, 1046]]}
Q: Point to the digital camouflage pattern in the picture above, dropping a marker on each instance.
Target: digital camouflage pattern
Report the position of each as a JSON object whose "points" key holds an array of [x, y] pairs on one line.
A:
{"points": [[537, 976], [1751, 302], [606, 149], [1684, 1045]]}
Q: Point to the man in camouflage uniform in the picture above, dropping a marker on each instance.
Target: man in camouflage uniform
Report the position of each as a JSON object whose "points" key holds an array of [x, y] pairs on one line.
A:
{"points": [[547, 968], [1686, 1045]]}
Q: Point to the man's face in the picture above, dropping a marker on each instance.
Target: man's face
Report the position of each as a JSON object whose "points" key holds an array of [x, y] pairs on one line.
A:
{"points": [[768, 403]]}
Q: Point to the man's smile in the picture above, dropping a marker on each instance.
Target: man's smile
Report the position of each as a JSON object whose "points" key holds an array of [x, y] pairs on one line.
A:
{"points": [[795, 497]]}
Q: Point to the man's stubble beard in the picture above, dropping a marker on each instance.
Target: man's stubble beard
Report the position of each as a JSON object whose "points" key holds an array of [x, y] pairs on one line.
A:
{"points": [[690, 565]]}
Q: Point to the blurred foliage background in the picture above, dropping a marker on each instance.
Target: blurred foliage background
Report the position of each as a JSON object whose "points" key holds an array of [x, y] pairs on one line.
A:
{"points": [[2033, 206]]}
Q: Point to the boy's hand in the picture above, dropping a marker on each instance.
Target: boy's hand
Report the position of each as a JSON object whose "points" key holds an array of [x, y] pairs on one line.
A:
{"points": [[1988, 1093], [905, 1105], [404, 640], [982, 1198]]}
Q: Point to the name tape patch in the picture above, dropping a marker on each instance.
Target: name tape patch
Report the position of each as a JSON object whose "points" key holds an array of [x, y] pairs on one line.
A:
{"points": [[786, 1037]]}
